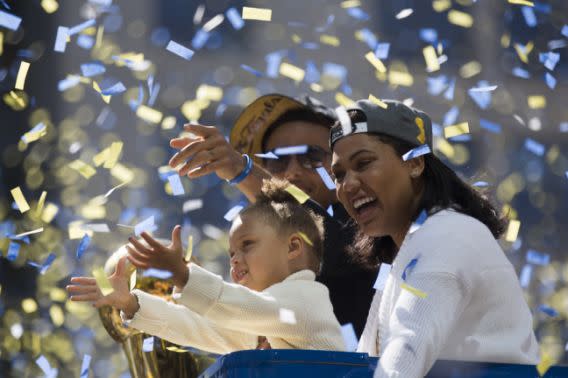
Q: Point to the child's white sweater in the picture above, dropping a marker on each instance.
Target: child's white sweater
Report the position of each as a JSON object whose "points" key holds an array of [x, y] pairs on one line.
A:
{"points": [[474, 309], [221, 317]]}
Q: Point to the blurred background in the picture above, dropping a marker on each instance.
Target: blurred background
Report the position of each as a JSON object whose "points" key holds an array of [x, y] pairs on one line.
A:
{"points": [[499, 66]]}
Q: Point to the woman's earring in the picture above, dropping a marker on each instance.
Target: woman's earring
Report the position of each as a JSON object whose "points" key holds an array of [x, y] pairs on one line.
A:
{"points": [[414, 174]]}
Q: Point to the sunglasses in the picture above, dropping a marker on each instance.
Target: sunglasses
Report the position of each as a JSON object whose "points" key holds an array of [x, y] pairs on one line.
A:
{"points": [[309, 157]]}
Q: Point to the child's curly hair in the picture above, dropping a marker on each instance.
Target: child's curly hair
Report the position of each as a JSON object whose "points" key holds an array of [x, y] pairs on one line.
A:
{"points": [[282, 211]]}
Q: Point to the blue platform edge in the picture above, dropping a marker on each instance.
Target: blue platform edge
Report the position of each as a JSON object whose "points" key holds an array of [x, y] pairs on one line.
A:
{"points": [[295, 363]]}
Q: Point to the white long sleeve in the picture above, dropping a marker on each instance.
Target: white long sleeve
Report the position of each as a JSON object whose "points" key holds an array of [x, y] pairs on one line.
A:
{"points": [[181, 326], [295, 313]]}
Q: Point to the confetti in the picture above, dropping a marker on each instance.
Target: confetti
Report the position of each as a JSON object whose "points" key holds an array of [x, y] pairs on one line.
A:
{"points": [[85, 366], [235, 18], [34, 134], [415, 152], [305, 238], [114, 188], [298, 193], [83, 168], [83, 244], [20, 199], [382, 50], [455, 130], [179, 50], [114, 89], [146, 225], [548, 311], [537, 258], [525, 276], [268, 155], [157, 273], [102, 281], [252, 70], [293, 72], [189, 251], [377, 101], [13, 251], [550, 80], [291, 150], [44, 365], [259, 14], [233, 212], [326, 178], [490, 126], [148, 344], [82, 26], [192, 204], [176, 185], [32, 232], [534, 146], [522, 2], [9, 21], [92, 69], [375, 62], [148, 114], [22, 73], [404, 13], [512, 230], [46, 264], [460, 18], [431, 59], [382, 277], [349, 337], [409, 267], [287, 316]]}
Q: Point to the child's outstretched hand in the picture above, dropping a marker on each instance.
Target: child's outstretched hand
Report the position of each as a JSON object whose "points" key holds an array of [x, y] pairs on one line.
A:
{"points": [[85, 289], [159, 256]]}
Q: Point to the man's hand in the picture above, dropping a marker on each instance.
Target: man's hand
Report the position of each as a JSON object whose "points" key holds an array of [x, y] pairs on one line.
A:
{"points": [[208, 153], [85, 289], [159, 256]]}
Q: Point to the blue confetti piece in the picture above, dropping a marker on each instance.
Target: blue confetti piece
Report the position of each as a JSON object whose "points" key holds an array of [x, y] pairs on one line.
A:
{"points": [[382, 276], [85, 366], [291, 150], [13, 251], [251, 70], [85, 41], [537, 258], [25, 238], [9, 21], [522, 73], [310, 45], [437, 84], [550, 80], [47, 263], [549, 59], [449, 94], [548, 310], [61, 39], [67, 83], [451, 116], [328, 23], [358, 14], [563, 127], [235, 18], [482, 99], [115, 89], [157, 273], [542, 8], [179, 50], [330, 208], [490, 126], [154, 95], [326, 178], [564, 31], [415, 152], [312, 73], [92, 69], [534, 146], [530, 17], [429, 35], [83, 244], [200, 39], [135, 104], [480, 184], [147, 225], [335, 70], [421, 218], [82, 26], [148, 344], [369, 38], [5, 4], [273, 61], [525, 276], [382, 50], [175, 183], [408, 268], [233, 212]]}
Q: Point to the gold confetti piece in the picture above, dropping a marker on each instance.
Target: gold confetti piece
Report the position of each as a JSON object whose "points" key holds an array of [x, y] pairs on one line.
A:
{"points": [[98, 89], [512, 230], [343, 100], [101, 157], [522, 2], [431, 59], [298, 193], [470, 69], [1, 43], [57, 294], [460, 18], [102, 281], [316, 87], [455, 130], [545, 363], [29, 305], [413, 290], [296, 39], [149, 114], [189, 251], [305, 238], [76, 230], [99, 38], [36, 231], [169, 123], [522, 53], [22, 73], [293, 72], [536, 102], [375, 62], [377, 101], [505, 40], [83, 168], [132, 280], [49, 6], [329, 40], [350, 4], [20, 199], [209, 92], [176, 349], [33, 135], [122, 173], [57, 316], [49, 212], [114, 152], [401, 78], [259, 14], [40, 204], [445, 147], [441, 5]]}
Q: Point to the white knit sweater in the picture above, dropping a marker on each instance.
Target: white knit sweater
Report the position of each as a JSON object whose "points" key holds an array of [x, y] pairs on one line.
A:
{"points": [[474, 309], [221, 317]]}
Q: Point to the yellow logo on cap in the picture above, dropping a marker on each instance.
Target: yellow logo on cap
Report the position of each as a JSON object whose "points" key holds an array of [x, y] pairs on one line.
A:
{"points": [[422, 136]]}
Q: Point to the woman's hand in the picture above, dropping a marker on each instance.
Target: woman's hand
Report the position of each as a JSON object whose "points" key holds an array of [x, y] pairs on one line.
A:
{"points": [[85, 289], [208, 153], [159, 256]]}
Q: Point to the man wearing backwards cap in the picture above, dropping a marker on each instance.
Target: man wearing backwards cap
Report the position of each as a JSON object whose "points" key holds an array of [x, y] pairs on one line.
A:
{"points": [[292, 138]]}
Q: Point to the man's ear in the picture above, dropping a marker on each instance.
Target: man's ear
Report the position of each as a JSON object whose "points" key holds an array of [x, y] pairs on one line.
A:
{"points": [[415, 166], [295, 246]]}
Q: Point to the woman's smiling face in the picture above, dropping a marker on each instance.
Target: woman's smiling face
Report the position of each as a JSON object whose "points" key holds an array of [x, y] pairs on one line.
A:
{"points": [[374, 184]]}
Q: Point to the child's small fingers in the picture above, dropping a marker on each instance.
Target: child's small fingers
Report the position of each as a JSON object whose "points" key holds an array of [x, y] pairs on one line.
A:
{"points": [[84, 280], [139, 246]]}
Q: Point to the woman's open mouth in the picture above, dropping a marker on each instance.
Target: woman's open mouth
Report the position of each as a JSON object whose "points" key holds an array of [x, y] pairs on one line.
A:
{"points": [[364, 208]]}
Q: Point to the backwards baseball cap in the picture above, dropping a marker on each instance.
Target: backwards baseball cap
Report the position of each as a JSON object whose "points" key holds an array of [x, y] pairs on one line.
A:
{"points": [[257, 118], [396, 120]]}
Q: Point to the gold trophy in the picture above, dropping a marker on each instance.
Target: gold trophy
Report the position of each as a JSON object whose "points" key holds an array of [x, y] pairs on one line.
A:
{"points": [[166, 361]]}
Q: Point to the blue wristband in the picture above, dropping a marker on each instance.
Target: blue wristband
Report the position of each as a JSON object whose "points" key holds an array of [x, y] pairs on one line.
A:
{"points": [[245, 172]]}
